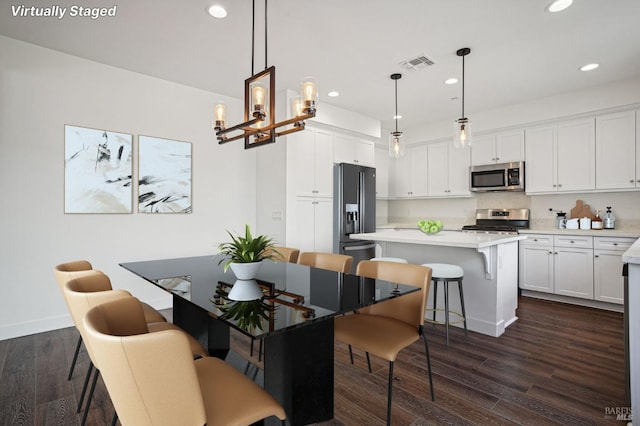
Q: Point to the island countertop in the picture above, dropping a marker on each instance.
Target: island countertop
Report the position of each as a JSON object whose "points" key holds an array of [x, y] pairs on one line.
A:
{"points": [[443, 238]]}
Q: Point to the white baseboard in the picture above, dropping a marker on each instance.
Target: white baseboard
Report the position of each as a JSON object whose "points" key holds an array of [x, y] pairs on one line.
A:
{"points": [[42, 325]]}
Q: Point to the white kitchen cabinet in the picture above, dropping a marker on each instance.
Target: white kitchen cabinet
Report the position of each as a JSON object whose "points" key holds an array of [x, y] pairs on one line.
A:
{"points": [[576, 155], [314, 224], [559, 264], [608, 285], [447, 170], [382, 172], [312, 157], [616, 151], [410, 173], [349, 149], [561, 157], [504, 147], [536, 263]]}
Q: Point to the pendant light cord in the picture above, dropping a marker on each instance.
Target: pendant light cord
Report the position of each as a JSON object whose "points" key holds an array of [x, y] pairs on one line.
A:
{"points": [[265, 34], [396, 117], [463, 87], [253, 33]]}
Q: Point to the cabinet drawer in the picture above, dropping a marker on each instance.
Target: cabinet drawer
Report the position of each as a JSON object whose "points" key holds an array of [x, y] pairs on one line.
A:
{"points": [[573, 241], [537, 240], [613, 243]]}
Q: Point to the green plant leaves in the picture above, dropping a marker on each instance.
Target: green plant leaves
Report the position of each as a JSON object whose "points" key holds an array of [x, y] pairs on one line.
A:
{"points": [[246, 249]]}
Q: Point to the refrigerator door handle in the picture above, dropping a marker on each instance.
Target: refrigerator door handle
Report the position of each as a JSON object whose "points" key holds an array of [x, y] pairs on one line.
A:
{"points": [[363, 247]]}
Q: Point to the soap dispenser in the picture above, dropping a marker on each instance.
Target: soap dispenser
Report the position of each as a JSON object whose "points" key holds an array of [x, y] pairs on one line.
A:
{"points": [[609, 221]]}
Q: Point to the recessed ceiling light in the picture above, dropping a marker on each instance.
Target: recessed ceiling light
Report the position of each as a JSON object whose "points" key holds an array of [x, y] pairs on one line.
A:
{"points": [[397, 117], [217, 11], [589, 67], [333, 94], [559, 5], [451, 81]]}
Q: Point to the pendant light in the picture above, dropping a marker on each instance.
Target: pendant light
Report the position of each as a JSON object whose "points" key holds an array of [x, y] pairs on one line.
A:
{"points": [[462, 126], [396, 147]]}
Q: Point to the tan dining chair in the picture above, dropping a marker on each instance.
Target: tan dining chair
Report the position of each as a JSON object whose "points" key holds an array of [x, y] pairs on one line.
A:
{"points": [[385, 328], [330, 261], [153, 379], [67, 271], [83, 293], [286, 254]]}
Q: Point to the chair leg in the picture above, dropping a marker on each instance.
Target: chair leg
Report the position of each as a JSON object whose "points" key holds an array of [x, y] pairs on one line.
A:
{"points": [[75, 357], [446, 310], [435, 303], [464, 314], [251, 350], [84, 387], [389, 393], [368, 362], [350, 354], [96, 373], [260, 350], [426, 349], [114, 420]]}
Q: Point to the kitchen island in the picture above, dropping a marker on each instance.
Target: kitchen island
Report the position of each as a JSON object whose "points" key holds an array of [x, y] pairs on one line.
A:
{"points": [[490, 263]]}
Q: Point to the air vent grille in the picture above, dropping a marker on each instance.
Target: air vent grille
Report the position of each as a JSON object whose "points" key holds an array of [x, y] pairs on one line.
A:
{"points": [[417, 63]]}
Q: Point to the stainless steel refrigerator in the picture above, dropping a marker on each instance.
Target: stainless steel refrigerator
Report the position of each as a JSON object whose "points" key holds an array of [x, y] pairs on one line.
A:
{"points": [[354, 207]]}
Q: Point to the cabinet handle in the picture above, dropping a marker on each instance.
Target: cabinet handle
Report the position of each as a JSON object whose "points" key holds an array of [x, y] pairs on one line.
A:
{"points": [[559, 185], [631, 181], [615, 244], [555, 252], [572, 241], [535, 239], [554, 185], [497, 158], [596, 255], [550, 252]]}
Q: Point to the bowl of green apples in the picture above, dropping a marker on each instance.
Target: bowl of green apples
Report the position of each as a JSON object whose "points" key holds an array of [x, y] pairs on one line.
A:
{"points": [[430, 227]]}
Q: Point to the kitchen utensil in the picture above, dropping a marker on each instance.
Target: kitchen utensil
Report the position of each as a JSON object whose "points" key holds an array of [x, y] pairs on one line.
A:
{"points": [[576, 212], [561, 220], [596, 222], [573, 223], [585, 223], [609, 221], [586, 212]]}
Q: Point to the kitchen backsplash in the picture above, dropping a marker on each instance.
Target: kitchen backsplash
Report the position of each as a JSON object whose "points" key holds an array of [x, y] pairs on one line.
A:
{"points": [[455, 212]]}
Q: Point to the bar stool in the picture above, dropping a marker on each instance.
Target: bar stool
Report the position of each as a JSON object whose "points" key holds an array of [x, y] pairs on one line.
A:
{"points": [[389, 259], [446, 273]]}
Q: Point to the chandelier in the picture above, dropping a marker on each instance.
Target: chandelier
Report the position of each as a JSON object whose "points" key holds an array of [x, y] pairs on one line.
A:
{"points": [[260, 126]]}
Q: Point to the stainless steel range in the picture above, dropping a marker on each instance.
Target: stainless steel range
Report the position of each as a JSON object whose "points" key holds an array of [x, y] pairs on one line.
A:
{"points": [[499, 221]]}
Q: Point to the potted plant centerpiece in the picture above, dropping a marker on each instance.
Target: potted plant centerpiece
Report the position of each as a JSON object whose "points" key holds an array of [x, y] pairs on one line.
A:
{"points": [[244, 255]]}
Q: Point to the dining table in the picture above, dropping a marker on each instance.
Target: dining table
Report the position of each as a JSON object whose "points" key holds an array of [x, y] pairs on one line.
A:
{"points": [[294, 317]]}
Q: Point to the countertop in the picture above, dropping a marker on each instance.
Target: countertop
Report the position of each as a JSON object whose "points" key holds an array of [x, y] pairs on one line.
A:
{"points": [[443, 238], [633, 254], [633, 233]]}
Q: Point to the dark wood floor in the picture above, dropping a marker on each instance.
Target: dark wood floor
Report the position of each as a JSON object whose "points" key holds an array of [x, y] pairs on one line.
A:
{"points": [[557, 365]]}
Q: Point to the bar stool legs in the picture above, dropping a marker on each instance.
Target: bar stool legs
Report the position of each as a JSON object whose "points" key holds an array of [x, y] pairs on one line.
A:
{"points": [[445, 273]]}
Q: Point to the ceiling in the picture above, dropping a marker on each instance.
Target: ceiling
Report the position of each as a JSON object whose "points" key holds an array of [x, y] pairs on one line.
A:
{"points": [[519, 52]]}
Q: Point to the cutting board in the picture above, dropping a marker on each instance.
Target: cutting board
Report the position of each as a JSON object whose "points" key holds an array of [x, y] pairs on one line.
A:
{"points": [[576, 212], [581, 210]]}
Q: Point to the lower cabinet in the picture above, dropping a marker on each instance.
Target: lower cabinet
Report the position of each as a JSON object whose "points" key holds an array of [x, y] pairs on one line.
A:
{"points": [[314, 224], [578, 266]]}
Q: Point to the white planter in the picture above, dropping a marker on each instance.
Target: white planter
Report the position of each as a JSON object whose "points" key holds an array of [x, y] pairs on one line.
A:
{"points": [[245, 271], [245, 290]]}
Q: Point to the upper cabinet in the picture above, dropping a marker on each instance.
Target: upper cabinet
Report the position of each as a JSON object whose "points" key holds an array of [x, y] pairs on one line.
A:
{"points": [[447, 170], [312, 157], [504, 147], [561, 157], [349, 149], [616, 151], [382, 172], [410, 173]]}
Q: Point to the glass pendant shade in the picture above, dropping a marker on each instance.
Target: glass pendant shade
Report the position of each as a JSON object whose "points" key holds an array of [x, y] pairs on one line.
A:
{"points": [[219, 115], [309, 93], [296, 107], [396, 146], [462, 133]]}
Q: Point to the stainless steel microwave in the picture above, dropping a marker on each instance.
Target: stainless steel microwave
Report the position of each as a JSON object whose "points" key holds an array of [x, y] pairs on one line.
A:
{"points": [[497, 177]]}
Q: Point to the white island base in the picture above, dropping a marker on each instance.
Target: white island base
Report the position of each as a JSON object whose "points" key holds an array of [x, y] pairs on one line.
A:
{"points": [[490, 264]]}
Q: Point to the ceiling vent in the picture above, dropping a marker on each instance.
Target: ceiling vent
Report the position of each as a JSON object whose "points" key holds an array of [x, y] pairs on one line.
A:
{"points": [[417, 63]]}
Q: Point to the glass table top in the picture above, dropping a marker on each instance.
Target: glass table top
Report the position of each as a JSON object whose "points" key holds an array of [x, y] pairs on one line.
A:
{"points": [[293, 295]]}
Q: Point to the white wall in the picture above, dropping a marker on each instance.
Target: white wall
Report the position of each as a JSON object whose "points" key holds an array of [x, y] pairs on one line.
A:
{"points": [[42, 90]]}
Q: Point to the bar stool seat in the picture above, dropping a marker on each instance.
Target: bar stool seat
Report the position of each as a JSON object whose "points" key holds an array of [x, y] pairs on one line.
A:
{"points": [[446, 273], [389, 259]]}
